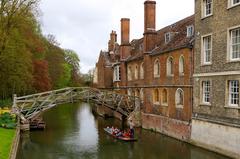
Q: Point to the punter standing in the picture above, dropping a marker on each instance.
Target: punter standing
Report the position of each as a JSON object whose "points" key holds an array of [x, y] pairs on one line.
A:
{"points": [[131, 125]]}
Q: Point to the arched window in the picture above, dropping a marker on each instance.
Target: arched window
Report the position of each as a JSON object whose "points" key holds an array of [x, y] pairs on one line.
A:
{"points": [[136, 72], [170, 66], [156, 68], [142, 94], [179, 98], [181, 65], [137, 93], [129, 73], [129, 92], [156, 96], [142, 71], [164, 97]]}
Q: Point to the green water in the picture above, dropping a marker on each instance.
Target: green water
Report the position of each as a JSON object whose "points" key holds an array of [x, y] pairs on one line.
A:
{"points": [[73, 132]]}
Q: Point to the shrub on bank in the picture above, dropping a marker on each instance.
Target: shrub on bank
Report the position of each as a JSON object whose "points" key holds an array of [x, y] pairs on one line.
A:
{"points": [[5, 102], [7, 121]]}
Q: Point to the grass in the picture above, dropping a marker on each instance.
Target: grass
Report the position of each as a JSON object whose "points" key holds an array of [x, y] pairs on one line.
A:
{"points": [[6, 139]]}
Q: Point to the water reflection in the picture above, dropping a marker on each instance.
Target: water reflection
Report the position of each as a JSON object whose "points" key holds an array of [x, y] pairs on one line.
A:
{"points": [[74, 132], [86, 138]]}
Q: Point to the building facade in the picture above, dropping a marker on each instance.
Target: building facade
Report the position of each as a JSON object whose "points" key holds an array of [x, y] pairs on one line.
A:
{"points": [[187, 74], [216, 108], [158, 69]]}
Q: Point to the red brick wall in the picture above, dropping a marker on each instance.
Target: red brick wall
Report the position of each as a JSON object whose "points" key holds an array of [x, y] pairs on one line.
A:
{"points": [[174, 128]]}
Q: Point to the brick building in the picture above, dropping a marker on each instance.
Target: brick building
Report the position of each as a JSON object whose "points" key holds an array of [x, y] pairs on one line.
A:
{"points": [[157, 68], [216, 115], [187, 74]]}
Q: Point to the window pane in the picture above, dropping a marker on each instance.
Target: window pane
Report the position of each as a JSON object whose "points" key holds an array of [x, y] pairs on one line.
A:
{"points": [[235, 43], [234, 92], [208, 7], [236, 1], [207, 46], [206, 91]]}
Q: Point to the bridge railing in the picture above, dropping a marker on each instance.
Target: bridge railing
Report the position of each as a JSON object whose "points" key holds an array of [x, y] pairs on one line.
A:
{"points": [[30, 106]]}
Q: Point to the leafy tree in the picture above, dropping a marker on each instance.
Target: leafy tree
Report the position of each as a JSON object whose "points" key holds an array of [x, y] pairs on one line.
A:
{"points": [[42, 80], [10, 12], [72, 59], [65, 77]]}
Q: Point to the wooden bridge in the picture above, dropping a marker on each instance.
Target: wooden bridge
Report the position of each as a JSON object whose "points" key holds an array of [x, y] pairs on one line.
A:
{"points": [[31, 106]]}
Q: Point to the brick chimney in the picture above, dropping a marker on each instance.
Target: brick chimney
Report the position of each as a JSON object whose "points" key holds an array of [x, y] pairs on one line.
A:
{"points": [[149, 25], [112, 41], [125, 32]]}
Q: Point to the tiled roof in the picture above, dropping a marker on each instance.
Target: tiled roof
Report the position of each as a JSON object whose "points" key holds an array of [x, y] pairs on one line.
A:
{"points": [[179, 36], [179, 39]]}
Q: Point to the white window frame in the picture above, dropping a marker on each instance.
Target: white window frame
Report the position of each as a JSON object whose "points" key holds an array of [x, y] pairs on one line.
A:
{"points": [[229, 48], [203, 52], [231, 4], [157, 68], [116, 74], [231, 94], [204, 9], [206, 87], [190, 31], [167, 37]]}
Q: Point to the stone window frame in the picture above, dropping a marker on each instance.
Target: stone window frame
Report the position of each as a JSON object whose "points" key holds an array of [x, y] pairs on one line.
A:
{"points": [[129, 73], [203, 62], [156, 96], [116, 74], [163, 103], [231, 4], [137, 93], [129, 92], [227, 95], [156, 68], [202, 102], [190, 31], [136, 72], [181, 65], [142, 71], [142, 94], [203, 9], [170, 72], [229, 56], [176, 97]]}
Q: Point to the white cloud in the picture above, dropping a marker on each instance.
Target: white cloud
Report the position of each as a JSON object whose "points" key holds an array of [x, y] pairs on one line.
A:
{"points": [[85, 25]]}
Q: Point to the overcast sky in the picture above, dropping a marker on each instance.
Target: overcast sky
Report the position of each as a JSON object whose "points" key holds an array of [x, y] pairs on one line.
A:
{"points": [[84, 25]]}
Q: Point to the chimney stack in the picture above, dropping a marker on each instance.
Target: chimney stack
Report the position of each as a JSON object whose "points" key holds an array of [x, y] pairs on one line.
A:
{"points": [[112, 41], [150, 33], [125, 31], [149, 16]]}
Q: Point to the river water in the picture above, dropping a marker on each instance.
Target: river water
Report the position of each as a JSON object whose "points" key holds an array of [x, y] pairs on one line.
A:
{"points": [[73, 132]]}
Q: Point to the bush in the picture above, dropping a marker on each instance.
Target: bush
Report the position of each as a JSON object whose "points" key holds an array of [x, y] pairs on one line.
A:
{"points": [[5, 102], [7, 121]]}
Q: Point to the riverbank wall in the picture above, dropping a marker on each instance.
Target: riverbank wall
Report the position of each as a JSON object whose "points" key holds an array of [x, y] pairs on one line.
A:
{"points": [[171, 127], [220, 138]]}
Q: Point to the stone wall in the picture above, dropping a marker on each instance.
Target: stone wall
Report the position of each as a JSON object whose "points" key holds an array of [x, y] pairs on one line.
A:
{"points": [[216, 137]]}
